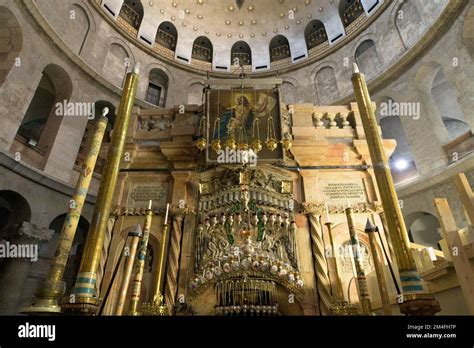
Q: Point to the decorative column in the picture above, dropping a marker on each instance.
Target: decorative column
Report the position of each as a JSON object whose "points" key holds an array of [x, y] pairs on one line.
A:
{"points": [[15, 268], [52, 288], [179, 211], [85, 298], [314, 212], [415, 300], [174, 253]]}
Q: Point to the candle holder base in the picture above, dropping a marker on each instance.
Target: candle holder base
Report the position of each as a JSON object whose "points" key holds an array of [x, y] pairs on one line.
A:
{"points": [[419, 305], [344, 308], [155, 308]]}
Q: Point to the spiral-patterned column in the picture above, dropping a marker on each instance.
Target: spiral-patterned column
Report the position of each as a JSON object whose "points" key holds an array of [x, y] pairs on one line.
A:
{"points": [[174, 252], [321, 267], [105, 251]]}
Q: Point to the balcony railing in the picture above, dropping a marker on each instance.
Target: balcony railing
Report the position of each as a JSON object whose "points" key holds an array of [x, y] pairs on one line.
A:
{"points": [[166, 39], [129, 14], [352, 12], [316, 38], [202, 53], [280, 52]]}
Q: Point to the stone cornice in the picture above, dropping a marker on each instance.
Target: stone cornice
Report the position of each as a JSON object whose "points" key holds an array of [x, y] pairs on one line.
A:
{"points": [[34, 175]]}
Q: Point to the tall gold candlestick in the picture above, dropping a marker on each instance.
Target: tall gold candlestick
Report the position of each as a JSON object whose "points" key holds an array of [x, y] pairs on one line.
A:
{"points": [[140, 263], [415, 301], [361, 279], [135, 234], [371, 230], [85, 297], [157, 306], [52, 289]]}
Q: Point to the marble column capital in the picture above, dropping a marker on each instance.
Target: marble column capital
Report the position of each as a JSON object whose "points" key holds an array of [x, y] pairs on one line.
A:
{"points": [[33, 233], [314, 208]]}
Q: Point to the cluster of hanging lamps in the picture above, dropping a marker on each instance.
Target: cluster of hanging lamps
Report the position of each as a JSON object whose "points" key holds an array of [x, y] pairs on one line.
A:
{"points": [[241, 142]]}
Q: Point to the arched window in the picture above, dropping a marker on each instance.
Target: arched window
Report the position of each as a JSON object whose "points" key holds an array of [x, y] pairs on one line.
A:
{"points": [[315, 34], [167, 36], [41, 122], [12, 41], [368, 59], [14, 209], [401, 162], [157, 88], [202, 49], [350, 10], [241, 54], [132, 12], [279, 48], [448, 106]]}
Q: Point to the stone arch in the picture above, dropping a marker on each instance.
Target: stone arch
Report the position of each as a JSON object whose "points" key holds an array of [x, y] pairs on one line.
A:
{"points": [[468, 31], [167, 36], [117, 62], [288, 92], [157, 87], [41, 122], [408, 17], [279, 48], [423, 228], [195, 93], [435, 90], [241, 54], [11, 42], [326, 84], [78, 27], [315, 34], [367, 58], [132, 12], [14, 209], [203, 49]]}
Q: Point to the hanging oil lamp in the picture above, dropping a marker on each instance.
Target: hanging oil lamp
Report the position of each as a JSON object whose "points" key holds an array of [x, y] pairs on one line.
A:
{"points": [[201, 143], [271, 138], [256, 142], [287, 142]]}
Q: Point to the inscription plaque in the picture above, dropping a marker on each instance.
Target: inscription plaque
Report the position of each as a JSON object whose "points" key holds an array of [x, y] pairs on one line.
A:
{"points": [[344, 190]]}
